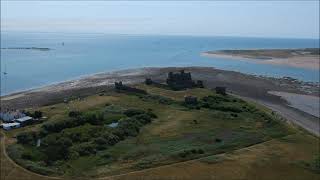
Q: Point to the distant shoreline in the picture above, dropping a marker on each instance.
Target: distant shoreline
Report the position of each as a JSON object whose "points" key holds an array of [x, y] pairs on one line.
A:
{"points": [[299, 58], [26, 48]]}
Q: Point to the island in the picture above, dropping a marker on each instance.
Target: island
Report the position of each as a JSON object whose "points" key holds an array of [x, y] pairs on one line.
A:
{"points": [[301, 58]]}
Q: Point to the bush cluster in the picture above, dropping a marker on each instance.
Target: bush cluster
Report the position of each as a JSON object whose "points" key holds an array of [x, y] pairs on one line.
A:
{"points": [[186, 153], [83, 134], [158, 98], [27, 138], [35, 114]]}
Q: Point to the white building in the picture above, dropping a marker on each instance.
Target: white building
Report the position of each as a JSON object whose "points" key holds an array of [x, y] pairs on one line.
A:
{"points": [[8, 126], [8, 116], [24, 120]]}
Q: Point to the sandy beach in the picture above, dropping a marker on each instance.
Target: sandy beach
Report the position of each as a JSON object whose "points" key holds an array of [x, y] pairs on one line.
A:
{"points": [[306, 62]]}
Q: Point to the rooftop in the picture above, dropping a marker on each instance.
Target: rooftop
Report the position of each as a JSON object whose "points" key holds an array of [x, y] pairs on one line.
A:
{"points": [[26, 118], [10, 124]]}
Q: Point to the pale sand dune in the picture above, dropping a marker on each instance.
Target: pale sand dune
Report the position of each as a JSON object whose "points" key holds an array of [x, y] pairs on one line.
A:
{"points": [[305, 103], [307, 62], [12, 97]]}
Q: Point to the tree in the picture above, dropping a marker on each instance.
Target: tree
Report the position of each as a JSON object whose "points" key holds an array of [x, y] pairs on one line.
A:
{"points": [[132, 112], [37, 114], [27, 138], [56, 147]]}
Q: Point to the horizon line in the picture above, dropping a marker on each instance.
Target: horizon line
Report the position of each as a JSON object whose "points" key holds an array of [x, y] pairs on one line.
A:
{"points": [[150, 34]]}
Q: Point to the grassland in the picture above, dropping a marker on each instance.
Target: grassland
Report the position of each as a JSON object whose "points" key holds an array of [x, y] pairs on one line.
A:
{"points": [[220, 143]]}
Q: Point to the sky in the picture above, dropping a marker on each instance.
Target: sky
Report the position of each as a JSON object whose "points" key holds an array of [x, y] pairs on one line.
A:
{"points": [[285, 19]]}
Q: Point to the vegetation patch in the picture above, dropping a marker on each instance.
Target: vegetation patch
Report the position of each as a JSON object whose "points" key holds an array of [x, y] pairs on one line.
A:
{"points": [[148, 130]]}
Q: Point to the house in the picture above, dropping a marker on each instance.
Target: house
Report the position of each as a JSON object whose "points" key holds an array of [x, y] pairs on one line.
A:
{"points": [[9, 116], [9, 126], [24, 120]]}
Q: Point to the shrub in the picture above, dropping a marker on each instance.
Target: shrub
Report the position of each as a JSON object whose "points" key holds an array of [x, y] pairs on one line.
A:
{"points": [[74, 113], [73, 154], [82, 133], [143, 118], [35, 114], [93, 118], [84, 149], [15, 151], [200, 151], [101, 143], [26, 155], [234, 115], [56, 147], [112, 139], [133, 112], [36, 167], [58, 126], [151, 114], [194, 151], [27, 138], [185, 153]]}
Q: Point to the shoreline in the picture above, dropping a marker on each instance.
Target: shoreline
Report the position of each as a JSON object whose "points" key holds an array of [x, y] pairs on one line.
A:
{"points": [[96, 79], [240, 84], [70, 80], [304, 62], [123, 72]]}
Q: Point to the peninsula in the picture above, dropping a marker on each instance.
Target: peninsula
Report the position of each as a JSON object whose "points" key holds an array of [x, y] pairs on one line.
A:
{"points": [[307, 58]]}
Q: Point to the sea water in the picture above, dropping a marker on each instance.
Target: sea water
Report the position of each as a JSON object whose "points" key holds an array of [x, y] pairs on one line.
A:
{"points": [[74, 55]]}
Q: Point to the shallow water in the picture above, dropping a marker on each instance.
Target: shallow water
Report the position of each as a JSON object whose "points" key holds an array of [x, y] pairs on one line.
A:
{"points": [[84, 54]]}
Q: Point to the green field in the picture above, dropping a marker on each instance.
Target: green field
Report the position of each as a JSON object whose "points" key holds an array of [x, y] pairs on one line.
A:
{"points": [[153, 130]]}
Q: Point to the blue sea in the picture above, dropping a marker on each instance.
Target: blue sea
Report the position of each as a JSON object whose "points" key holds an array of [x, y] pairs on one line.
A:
{"points": [[85, 54]]}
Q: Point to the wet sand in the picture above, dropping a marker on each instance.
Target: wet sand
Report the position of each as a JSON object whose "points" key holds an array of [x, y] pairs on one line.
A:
{"points": [[306, 62], [305, 103], [244, 85]]}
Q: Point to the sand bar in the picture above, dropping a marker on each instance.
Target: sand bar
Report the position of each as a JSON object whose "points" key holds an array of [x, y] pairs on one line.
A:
{"points": [[302, 60]]}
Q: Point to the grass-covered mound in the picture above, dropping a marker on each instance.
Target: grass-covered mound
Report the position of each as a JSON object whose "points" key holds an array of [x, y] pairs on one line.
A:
{"points": [[151, 130]]}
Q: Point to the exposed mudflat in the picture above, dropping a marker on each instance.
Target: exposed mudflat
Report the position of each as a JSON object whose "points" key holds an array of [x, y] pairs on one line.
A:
{"points": [[305, 103]]}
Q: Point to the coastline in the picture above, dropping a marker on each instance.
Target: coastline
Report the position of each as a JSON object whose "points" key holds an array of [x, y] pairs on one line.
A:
{"points": [[136, 75], [305, 62], [242, 85]]}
